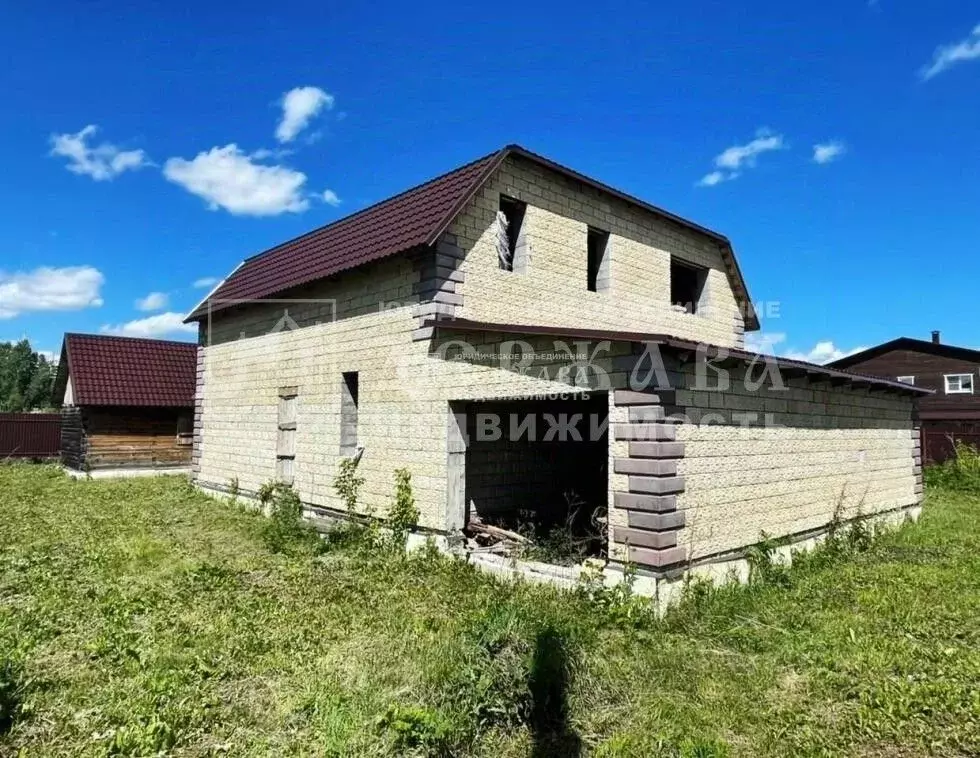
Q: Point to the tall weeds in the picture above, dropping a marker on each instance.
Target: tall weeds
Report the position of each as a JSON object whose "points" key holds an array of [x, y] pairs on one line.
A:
{"points": [[961, 472]]}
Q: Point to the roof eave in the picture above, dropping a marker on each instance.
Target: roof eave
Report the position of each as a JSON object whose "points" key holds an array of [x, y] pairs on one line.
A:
{"points": [[748, 356], [199, 311]]}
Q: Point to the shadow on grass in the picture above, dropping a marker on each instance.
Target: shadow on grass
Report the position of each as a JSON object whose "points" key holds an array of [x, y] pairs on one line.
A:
{"points": [[549, 683]]}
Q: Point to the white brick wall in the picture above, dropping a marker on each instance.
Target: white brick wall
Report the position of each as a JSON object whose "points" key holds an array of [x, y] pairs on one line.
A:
{"points": [[553, 290], [404, 392], [826, 445], [740, 481]]}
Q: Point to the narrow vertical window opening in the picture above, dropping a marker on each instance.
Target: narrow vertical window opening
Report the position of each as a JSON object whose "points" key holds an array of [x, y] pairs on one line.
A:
{"points": [[598, 247], [510, 223], [348, 412]]}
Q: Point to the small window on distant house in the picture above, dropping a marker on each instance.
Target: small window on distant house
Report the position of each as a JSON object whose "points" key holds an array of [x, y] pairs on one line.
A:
{"points": [[959, 384], [906, 379], [286, 435], [510, 225], [686, 284], [348, 412], [598, 243]]}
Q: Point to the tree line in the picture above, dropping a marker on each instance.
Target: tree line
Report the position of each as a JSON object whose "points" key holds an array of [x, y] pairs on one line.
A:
{"points": [[26, 378]]}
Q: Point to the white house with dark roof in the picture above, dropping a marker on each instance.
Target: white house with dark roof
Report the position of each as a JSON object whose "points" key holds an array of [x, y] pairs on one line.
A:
{"points": [[521, 338]]}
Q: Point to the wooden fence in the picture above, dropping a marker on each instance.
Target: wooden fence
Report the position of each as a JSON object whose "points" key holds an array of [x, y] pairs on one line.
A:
{"points": [[30, 435], [939, 438]]}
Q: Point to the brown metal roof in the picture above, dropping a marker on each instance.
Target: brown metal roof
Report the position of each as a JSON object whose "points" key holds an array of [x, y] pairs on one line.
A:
{"points": [[410, 220], [810, 369], [401, 223], [909, 343], [107, 370]]}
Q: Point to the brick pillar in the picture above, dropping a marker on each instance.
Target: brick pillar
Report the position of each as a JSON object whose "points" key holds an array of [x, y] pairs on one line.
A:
{"points": [[198, 417], [917, 460], [650, 501], [438, 287]]}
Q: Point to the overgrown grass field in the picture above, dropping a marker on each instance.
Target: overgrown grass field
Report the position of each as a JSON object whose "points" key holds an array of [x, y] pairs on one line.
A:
{"points": [[138, 617]]}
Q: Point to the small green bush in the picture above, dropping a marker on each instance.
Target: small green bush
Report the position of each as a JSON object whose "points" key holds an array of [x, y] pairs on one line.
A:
{"points": [[285, 530], [347, 483], [414, 727], [403, 515], [763, 569], [617, 605], [960, 473]]}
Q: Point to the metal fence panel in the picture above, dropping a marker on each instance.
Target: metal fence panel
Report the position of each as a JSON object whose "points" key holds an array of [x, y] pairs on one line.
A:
{"points": [[30, 435]]}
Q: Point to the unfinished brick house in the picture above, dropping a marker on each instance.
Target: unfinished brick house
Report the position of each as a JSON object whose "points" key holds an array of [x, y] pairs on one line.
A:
{"points": [[520, 337]]}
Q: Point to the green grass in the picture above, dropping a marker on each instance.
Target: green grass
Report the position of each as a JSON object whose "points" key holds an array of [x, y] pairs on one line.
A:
{"points": [[138, 617]]}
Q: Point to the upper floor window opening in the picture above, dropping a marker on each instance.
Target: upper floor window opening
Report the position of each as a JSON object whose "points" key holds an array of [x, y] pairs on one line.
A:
{"points": [[598, 254], [686, 284], [510, 225]]}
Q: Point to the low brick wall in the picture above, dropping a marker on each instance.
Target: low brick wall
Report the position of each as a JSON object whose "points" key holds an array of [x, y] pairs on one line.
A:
{"points": [[701, 474]]}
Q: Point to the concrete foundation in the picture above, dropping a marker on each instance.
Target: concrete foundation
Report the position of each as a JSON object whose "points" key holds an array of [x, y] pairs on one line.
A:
{"points": [[126, 472]]}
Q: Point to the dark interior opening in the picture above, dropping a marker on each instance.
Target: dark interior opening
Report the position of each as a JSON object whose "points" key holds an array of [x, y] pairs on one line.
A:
{"points": [[540, 468], [686, 284], [348, 412], [513, 211], [598, 242]]}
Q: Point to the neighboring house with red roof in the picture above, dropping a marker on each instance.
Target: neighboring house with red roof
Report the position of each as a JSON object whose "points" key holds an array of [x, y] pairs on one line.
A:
{"points": [[529, 342], [125, 401]]}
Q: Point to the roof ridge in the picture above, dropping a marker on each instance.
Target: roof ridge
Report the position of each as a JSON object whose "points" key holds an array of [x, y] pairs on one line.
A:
{"points": [[128, 338], [913, 343]]}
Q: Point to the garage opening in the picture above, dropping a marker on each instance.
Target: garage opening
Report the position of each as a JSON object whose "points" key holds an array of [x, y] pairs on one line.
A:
{"points": [[536, 477]]}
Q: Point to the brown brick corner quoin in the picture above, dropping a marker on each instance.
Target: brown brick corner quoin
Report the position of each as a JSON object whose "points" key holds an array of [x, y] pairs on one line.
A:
{"points": [[650, 502]]}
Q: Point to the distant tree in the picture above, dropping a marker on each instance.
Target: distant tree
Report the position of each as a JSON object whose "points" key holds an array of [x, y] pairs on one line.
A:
{"points": [[26, 378]]}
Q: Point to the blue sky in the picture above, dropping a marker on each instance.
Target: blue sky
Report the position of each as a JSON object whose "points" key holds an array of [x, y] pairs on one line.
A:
{"points": [[712, 109]]}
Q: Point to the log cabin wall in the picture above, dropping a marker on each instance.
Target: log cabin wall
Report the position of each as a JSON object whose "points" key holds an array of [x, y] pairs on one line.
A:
{"points": [[138, 437], [72, 437]]}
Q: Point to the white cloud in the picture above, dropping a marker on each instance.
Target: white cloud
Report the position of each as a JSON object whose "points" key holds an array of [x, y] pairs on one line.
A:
{"points": [[764, 342], [299, 106], [101, 162], [731, 161], [715, 177], [825, 152], [155, 301], [824, 351], [947, 56], [50, 289], [734, 157], [151, 326], [227, 178], [205, 282], [330, 198]]}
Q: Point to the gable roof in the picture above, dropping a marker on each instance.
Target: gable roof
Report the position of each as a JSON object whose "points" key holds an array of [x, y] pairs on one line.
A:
{"points": [[108, 370], [908, 343], [410, 220]]}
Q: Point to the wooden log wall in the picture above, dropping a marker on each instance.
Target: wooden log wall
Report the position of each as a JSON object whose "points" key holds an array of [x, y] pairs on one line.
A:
{"points": [[72, 438], [139, 437]]}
